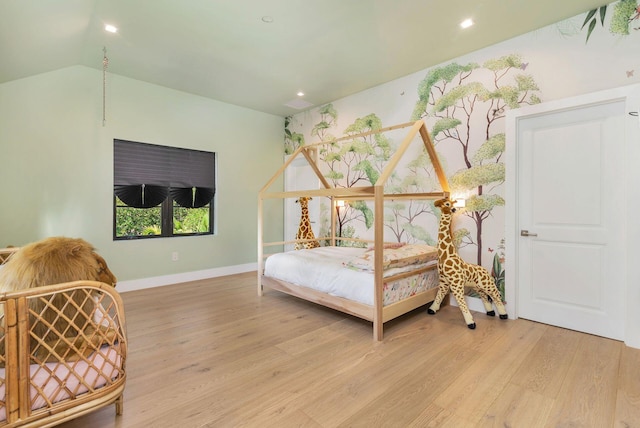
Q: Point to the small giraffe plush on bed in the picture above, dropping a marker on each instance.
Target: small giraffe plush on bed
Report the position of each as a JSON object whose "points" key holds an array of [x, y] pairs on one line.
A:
{"points": [[455, 273], [304, 230]]}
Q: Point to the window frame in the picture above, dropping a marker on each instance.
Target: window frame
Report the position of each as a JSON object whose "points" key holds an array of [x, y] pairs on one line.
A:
{"points": [[168, 205]]}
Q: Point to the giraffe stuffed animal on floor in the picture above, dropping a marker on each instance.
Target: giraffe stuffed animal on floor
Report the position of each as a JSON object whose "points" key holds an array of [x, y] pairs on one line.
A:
{"points": [[304, 230], [455, 273]]}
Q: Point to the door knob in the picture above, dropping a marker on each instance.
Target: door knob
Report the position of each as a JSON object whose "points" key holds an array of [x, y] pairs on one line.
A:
{"points": [[526, 233]]}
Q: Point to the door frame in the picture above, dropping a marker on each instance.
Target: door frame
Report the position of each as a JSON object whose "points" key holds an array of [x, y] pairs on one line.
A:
{"points": [[631, 95]]}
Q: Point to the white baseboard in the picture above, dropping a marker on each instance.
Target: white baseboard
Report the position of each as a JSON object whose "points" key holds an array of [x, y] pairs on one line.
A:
{"points": [[159, 281], [474, 303]]}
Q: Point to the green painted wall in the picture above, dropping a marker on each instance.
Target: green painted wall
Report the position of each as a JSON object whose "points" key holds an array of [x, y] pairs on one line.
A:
{"points": [[56, 166]]}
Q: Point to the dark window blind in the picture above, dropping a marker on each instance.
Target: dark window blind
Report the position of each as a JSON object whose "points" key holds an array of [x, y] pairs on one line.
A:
{"points": [[145, 174]]}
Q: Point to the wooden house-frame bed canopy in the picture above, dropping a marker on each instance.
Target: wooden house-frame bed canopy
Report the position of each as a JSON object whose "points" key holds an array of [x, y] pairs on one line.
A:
{"points": [[377, 312]]}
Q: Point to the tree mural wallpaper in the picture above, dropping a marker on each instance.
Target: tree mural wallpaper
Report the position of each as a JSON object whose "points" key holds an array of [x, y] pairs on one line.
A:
{"points": [[407, 221], [465, 106], [357, 162], [626, 15], [292, 140]]}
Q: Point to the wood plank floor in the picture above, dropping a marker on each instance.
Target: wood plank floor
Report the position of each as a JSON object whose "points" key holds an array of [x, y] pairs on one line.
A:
{"points": [[213, 354]]}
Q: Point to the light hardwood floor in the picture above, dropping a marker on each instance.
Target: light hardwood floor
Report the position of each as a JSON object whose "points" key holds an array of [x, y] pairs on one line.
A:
{"points": [[213, 354]]}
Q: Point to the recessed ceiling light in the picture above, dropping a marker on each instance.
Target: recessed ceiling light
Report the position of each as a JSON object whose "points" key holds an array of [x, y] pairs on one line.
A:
{"points": [[267, 19], [111, 28], [300, 94], [466, 23]]}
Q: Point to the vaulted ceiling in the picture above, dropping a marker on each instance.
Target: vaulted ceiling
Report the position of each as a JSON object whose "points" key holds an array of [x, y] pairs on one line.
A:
{"points": [[260, 53]]}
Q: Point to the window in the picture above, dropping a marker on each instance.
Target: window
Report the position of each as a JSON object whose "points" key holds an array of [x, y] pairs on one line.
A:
{"points": [[162, 191]]}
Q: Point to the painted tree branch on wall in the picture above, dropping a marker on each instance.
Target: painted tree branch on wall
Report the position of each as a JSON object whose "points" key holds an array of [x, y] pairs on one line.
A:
{"points": [[463, 104], [292, 140], [625, 12], [356, 163], [405, 219], [328, 119]]}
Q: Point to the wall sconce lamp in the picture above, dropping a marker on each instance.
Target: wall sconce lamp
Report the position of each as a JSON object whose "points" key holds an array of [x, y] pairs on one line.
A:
{"points": [[460, 203]]}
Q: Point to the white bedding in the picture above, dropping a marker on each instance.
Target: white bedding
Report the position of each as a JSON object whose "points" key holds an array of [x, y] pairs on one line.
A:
{"points": [[323, 269]]}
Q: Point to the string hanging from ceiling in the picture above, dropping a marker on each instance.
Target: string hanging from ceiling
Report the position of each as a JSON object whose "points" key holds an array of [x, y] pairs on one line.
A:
{"points": [[105, 64]]}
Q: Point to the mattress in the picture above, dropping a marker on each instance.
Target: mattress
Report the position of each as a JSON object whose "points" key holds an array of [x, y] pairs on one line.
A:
{"points": [[330, 270]]}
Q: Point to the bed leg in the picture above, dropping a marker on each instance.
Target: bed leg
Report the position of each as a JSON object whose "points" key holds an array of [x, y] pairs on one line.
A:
{"points": [[377, 331], [260, 288]]}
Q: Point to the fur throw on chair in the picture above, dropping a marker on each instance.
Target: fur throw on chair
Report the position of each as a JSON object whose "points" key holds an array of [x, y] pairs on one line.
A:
{"points": [[52, 261]]}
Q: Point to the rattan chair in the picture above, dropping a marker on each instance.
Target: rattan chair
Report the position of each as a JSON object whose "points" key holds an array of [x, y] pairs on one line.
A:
{"points": [[76, 367]]}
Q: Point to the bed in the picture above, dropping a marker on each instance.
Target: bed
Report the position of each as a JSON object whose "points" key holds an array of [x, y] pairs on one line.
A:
{"points": [[331, 275], [66, 375]]}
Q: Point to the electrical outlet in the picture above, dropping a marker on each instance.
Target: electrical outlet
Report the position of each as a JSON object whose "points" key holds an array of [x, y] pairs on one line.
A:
{"points": [[174, 256]]}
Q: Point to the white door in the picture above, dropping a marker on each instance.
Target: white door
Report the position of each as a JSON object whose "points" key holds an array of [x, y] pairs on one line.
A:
{"points": [[570, 218]]}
